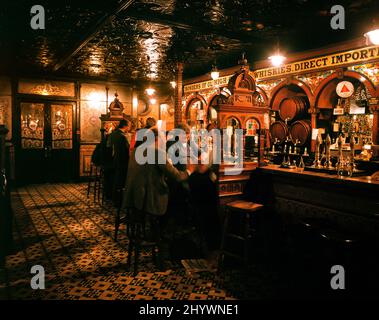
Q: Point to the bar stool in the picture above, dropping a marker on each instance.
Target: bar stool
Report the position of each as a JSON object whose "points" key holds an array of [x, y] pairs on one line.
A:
{"points": [[118, 218], [138, 241], [247, 209], [95, 183]]}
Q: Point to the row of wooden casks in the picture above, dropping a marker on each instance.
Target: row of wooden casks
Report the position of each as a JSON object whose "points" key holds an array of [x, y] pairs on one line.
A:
{"points": [[292, 111]]}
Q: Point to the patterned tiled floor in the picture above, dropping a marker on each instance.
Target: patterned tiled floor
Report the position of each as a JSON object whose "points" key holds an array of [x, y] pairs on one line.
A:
{"points": [[56, 226]]}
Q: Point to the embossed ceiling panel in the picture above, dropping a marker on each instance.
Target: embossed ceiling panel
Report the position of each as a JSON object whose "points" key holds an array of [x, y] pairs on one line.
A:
{"points": [[126, 49], [142, 39], [40, 49]]}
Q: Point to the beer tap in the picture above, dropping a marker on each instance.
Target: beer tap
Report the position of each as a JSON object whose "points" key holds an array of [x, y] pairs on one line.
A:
{"points": [[328, 164], [317, 162], [340, 156], [352, 153], [297, 143]]}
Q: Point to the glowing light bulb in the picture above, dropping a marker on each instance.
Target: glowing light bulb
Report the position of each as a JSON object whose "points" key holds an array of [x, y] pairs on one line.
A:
{"points": [[373, 36], [173, 84], [214, 73], [153, 101], [277, 60], [150, 91]]}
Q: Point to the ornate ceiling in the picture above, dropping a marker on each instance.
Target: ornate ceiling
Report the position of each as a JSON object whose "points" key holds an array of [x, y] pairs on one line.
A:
{"points": [[141, 40]]}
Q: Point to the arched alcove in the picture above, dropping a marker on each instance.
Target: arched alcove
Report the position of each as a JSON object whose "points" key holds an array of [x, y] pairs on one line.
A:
{"points": [[287, 90]]}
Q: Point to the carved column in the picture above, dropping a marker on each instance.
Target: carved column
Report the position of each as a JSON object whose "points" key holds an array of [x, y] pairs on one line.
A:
{"points": [[178, 94]]}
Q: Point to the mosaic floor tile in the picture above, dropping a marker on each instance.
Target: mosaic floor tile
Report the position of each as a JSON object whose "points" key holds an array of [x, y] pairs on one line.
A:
{"points": [[57, 227]]}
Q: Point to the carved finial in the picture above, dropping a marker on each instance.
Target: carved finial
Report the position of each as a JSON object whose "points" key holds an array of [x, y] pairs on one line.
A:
{"points": [[243, 60]]}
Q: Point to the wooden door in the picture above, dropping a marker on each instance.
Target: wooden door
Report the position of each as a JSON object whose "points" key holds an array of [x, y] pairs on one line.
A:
{"points": [[46, 142]]}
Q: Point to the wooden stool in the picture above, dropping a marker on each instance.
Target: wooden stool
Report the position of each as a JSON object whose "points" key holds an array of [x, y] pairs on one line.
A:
{"points": [[95, 183], [137, 239], [118, 219], [247, 209]]}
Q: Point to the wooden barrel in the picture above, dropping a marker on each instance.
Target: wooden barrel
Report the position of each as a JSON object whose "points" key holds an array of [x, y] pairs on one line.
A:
{"points": [[301, 130], [279, 131], [292, 108]]}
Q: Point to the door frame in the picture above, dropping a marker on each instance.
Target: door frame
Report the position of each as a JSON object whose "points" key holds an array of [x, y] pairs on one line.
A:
{"points": [[16, 126]]}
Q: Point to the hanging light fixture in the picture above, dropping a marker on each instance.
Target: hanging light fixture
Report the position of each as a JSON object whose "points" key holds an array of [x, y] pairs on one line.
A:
{"points": [[373, 36], [215, 74], [277, 59]]}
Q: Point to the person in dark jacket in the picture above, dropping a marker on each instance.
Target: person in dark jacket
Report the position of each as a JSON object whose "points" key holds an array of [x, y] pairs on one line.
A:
{"points": [[120, 153], [179, 211]]}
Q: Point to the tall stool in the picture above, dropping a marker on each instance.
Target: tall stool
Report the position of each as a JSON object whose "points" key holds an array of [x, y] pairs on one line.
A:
{"points": [[95, 183], [247, 209], [138, 240], [118, 218]]}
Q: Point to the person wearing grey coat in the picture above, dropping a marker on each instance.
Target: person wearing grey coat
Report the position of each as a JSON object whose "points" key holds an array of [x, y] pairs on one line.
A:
{"points": [[146, 187]]}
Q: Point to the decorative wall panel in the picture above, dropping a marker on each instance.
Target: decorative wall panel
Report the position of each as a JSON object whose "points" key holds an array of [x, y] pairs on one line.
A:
{"points": [[61, 126], [6, 105], [85, 159], [89, 121], [32, 125], [47, 88], [94, 103], [6, 114]]}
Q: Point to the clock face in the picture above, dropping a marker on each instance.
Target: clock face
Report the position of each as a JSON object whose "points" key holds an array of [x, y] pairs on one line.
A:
{"points": [[345, 89]]}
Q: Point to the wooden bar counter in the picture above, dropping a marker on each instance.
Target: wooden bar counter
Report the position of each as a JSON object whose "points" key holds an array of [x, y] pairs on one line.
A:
{"points": [[351, 204]]}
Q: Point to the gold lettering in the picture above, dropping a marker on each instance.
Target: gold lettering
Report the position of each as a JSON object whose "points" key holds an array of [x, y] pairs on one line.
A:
{"points": [[371, 50], [347, 56], [364, 54]]}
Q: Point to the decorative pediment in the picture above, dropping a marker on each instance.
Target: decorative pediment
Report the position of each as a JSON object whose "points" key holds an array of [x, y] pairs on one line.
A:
{"points": [[116, 108], [242, 86]]}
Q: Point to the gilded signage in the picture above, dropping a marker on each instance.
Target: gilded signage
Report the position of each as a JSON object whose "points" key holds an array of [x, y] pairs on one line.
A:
{"points": [[338, 59], [355, 56], [207, 84]]}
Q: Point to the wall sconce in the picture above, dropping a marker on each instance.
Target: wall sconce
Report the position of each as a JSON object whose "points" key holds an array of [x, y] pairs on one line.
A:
{"points": [[150, 91]]}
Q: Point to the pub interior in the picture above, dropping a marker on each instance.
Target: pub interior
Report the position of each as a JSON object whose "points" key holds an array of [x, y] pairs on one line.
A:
{"points": [[288, 205]]}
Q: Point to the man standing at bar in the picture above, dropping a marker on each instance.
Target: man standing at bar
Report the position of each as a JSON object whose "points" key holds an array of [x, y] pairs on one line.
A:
{"points": [[120, 151], [179, 211]]}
